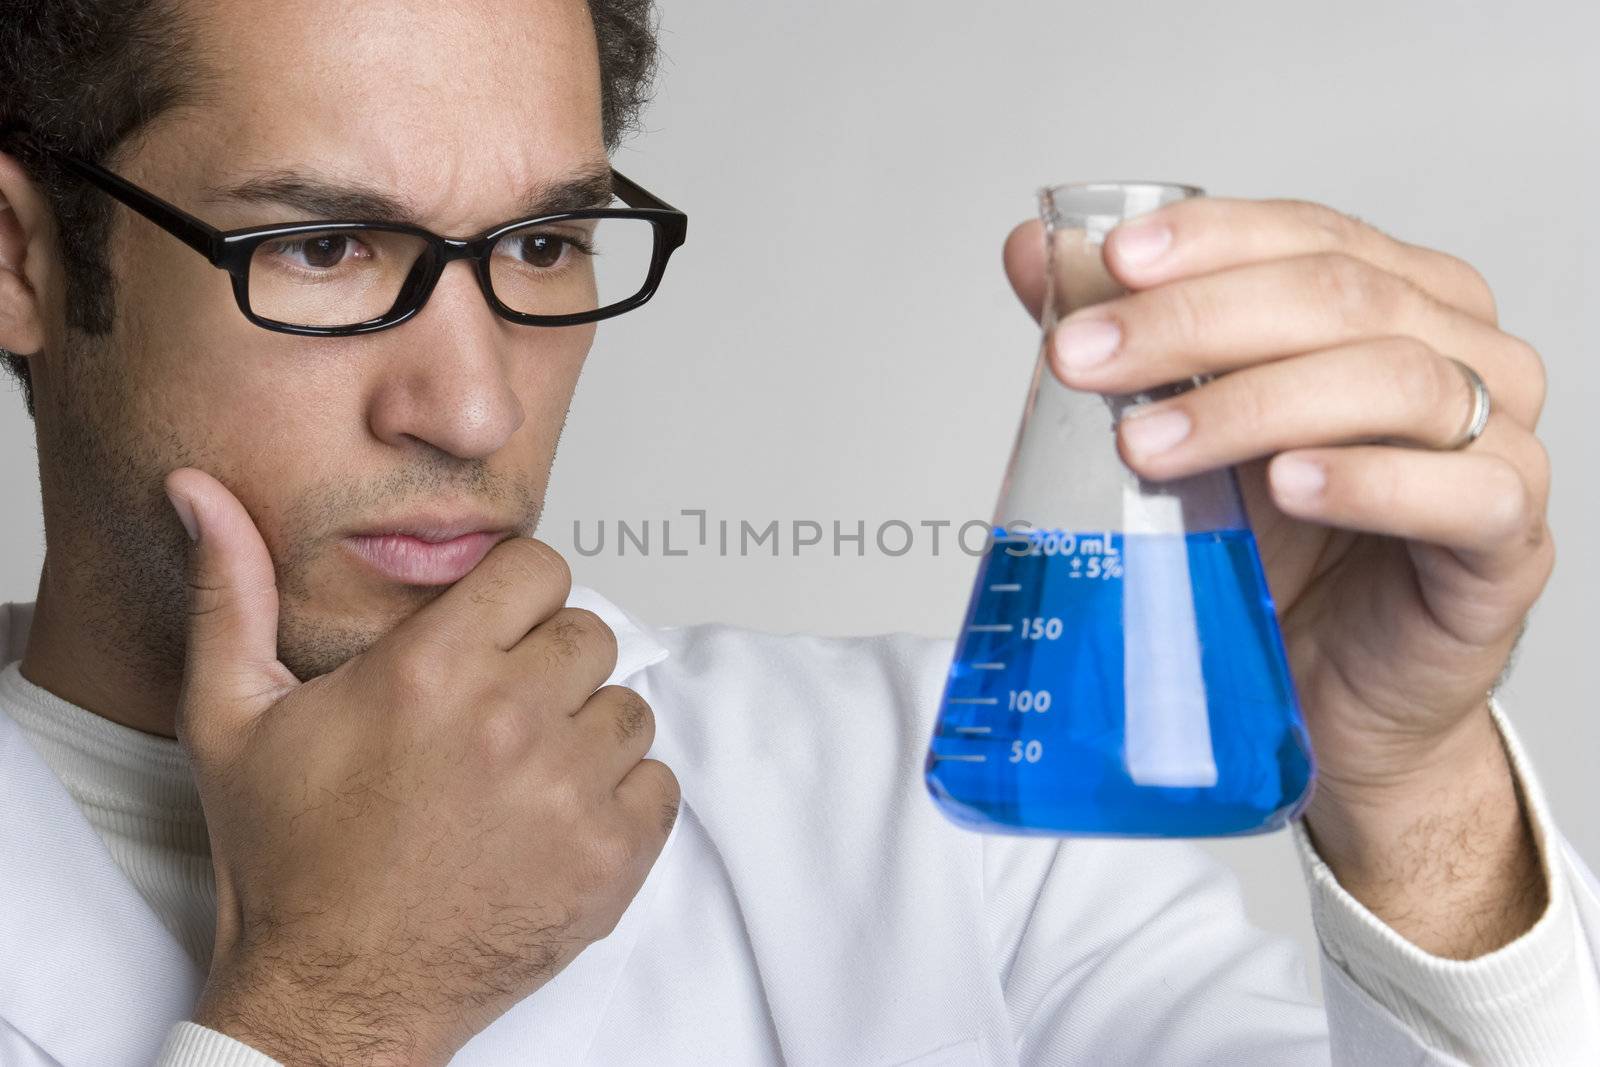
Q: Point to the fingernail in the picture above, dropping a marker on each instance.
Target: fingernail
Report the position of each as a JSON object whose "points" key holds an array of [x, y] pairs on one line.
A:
{"points": [[1150, 434], [185, 515], [1086, 343], [1298, 478], [1140, 244]]}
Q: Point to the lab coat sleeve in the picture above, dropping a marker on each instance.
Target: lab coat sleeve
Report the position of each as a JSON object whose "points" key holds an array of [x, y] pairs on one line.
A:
{"points": [[1533, 1001], [193, 1045], [1140, 952]]}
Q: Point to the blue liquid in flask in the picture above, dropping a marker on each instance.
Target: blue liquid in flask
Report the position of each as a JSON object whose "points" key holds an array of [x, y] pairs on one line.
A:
{"points": [[1132, 685]]}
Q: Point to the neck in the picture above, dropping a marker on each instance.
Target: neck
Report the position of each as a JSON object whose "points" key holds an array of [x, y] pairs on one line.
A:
{"points": [[89, 651]]}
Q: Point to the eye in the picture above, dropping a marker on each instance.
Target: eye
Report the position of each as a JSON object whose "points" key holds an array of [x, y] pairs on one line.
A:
{"points": [[541, 250], [325, 251], [545, 251], [318, 251]]}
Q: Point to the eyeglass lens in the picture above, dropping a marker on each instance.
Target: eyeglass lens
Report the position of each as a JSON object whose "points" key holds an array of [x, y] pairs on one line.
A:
{"points": [[343, 276]]}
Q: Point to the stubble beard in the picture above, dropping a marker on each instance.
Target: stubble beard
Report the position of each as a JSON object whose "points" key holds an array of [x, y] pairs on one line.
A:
{"points": [[121, 556]]}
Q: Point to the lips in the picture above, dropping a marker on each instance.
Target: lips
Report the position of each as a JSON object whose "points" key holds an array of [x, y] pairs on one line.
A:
{"points": [[415, 561]]}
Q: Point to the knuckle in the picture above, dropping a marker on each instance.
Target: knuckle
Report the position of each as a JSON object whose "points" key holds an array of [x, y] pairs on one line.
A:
{"points": [[1546, 554], [588, 622], [1533, 476], [1250, 403], [1538, 543], [1433, 384], [670, 804], [572, 631], [1539, 471], [527, 561], [1355, 292], [1334, 228], [668, 792], [204, 597], [562, 641], [1529, 373], [501, 738], [1403, 359], [1508, 505], [561, 638], [652, 818], [632, 716], [1475, 290], [1190, 312]]}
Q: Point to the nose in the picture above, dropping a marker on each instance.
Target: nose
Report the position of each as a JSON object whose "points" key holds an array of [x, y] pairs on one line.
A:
{"points": [[444, 378]]}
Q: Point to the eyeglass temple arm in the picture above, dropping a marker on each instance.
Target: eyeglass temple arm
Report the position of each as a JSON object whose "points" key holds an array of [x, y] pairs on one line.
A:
{"points": [[635, 195], [206, 240]]}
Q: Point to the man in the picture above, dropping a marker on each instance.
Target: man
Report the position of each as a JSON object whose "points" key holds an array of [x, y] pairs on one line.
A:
{"points": [[361, 785]]}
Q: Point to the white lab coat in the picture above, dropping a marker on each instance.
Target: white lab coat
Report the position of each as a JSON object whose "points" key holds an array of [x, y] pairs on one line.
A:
{"points": [[810, 906]]}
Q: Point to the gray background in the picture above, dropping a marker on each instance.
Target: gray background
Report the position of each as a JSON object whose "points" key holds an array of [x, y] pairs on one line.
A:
{"points": [[837, 341]]}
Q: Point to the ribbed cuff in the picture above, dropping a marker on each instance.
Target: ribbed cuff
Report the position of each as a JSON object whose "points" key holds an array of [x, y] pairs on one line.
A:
{"points": [[1514, 1005], [193, 1045]]}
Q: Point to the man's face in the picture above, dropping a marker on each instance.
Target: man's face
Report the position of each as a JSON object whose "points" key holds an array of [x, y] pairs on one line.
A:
{"points": [[453, 109]]}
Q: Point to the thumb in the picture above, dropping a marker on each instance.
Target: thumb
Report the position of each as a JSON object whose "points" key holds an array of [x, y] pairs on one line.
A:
{"points": [[1024, 260], [231, 671]]}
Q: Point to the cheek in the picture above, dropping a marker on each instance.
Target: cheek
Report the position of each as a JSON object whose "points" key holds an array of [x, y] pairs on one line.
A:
{"points": [[552, 366], [572, 345], [199, 368], [204, 387], [187, 345]]}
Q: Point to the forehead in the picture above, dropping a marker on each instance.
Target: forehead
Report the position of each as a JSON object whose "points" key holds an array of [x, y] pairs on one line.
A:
{"points": [[418, 95]]}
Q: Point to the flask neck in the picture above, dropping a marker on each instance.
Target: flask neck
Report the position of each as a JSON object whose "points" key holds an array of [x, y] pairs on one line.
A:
{"points": [[1075, 270]]}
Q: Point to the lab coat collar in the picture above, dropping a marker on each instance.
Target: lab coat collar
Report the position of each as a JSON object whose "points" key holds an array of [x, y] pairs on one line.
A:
{"points": [[94, 978], [90, 975]]}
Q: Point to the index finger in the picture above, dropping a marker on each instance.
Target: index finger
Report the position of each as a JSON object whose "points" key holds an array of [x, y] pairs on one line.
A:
{"points": [[520, 583], [1206, 234]]}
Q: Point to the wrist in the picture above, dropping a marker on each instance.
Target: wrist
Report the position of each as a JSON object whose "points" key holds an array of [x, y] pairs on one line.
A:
{"points": [[1361, 815], [312, 1022], [1445, 856]]}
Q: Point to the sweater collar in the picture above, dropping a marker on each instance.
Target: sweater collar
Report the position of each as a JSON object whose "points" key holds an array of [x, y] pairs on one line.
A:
{"points": [[101, 762]]}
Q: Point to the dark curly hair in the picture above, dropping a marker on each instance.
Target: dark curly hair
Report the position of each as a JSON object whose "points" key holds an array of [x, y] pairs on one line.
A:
{"points": [[85, 75]]}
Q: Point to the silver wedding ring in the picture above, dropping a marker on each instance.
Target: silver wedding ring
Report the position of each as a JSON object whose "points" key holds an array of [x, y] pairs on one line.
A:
{"points": [[1481, 404]]}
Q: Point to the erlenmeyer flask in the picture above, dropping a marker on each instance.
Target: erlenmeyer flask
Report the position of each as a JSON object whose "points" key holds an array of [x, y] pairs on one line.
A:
{"points": [[1120, 669]]}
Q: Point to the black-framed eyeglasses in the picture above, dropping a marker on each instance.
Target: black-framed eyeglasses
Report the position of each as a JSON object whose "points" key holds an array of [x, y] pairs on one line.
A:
{"points": [[338, 278]]}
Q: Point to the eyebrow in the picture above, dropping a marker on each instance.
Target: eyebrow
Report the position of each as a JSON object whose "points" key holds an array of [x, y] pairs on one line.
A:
{"points": [[339, 201]]}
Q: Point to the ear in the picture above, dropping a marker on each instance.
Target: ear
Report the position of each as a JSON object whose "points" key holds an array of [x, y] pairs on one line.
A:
{"points": [[25, 243]]}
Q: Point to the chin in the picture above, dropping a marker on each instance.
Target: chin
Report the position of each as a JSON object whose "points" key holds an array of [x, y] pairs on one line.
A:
{"points": [[312, 644]]}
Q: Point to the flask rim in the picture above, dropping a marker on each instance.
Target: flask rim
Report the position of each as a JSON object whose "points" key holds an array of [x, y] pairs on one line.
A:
{"points": [[1109, 184]]}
